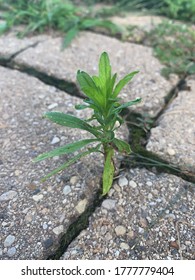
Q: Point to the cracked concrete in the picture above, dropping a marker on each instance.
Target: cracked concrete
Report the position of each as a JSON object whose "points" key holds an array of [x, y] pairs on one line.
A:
{"points": [[35, 215]]}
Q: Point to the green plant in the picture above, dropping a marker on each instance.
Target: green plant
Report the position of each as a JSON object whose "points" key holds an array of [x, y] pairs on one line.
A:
{"points": [[44, 15], [174, 46], [102, 98]]}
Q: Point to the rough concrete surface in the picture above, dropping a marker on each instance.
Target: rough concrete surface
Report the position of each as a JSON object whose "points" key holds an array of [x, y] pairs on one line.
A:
{"points": [[35, 213], [146, 216], [10, 44], [173, 138], [84, 54]]}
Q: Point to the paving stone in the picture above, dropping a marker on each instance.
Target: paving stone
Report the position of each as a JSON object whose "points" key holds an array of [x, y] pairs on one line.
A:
{"points": [[125, 57], [137, 229], [24, 135], [174, 136], [10, 44]]}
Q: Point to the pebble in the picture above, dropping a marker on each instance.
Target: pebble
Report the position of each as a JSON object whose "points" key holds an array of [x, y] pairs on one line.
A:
{"points": [[58, 230], [45, 226], [123, 181], [8, 195], [37, 197], [1, 252], [81, 206], [124, 245], [141, 230], [170, 151], [52, 106], [29, 217], [133, 184], [48, 243], [109, 204], [74, 180], [9, 240], [143, 222], [55, 140], [11, 251], [120, 230], [66, 189]]}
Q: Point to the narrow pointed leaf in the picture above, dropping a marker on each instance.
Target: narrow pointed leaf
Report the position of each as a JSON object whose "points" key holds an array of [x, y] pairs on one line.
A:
{"points": [[67, 149], [104, 67], [127, 104], [81, 106], [70, 162], [108, 173], [89, 87], [70, 121], [123, 82], [70, 35], [122, 146]]}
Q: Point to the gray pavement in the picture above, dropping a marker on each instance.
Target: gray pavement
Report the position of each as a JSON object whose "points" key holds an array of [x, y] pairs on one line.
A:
{"points": [[146, 215]]}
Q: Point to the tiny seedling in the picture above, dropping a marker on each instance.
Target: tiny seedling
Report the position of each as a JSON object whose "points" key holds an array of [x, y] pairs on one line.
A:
{"points": [[102, 98]]}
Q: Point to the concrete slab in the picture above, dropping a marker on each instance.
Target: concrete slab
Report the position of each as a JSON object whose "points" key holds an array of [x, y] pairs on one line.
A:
{"points": [[145, 216], [84, 54], [34, 215], [10, 44], [174, 136]]}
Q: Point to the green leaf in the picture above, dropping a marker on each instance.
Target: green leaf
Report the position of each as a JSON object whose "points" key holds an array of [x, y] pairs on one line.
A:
{"points": [[123, 82], [89, 87], [104, 67], [67, 149], [81, 106], [108, 173], [71, 161], [70, 35], [122, 146], [70, 121], [127, 104]]}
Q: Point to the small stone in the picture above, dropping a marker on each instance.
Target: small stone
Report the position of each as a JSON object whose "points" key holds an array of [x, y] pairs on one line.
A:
{"points": [[55, 140], [58, 230], [170, 151], [133, 184], [188, 243], [120, 230], [124, 246], [141, 230], [131, 234], [66, 189], [8, 195], [45, 226], [74, 180], [81, 206], [149, 184], [37, 197], [17, 172], [150, 196], [143, 223], [29, 218], [52, 106], [123, 181], [108, 236], [9, 240], [11, 251], [109, 203], [174, 245], [48, 243], [1, 252]]}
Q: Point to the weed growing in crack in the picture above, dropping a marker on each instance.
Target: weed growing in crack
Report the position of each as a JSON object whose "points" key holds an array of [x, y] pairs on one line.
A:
{"points": [[102, 98]]}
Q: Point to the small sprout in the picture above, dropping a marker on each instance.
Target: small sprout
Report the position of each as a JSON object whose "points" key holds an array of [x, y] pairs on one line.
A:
{"points": [[102, 98]]}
